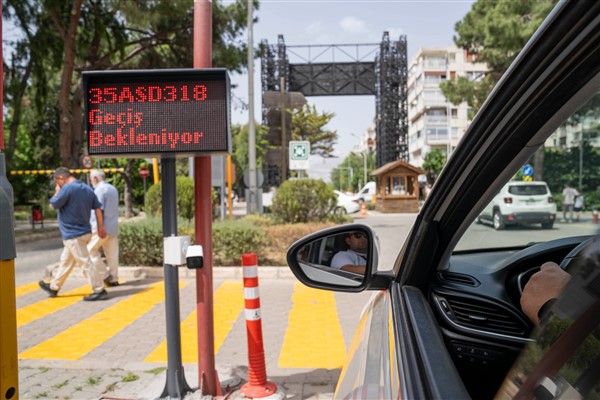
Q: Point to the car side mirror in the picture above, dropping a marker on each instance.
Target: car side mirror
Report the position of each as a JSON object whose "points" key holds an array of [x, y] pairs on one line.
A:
{"points": [[339, 258]]}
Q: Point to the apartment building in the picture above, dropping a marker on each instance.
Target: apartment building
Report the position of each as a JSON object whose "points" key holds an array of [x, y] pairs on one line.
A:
{"points": [[433, 122]]}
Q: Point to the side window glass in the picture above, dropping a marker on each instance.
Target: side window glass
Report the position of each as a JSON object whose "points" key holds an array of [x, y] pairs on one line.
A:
{"points": [[564, 360]]}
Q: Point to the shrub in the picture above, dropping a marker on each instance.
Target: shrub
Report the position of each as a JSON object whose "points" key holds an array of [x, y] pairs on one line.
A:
{"points": [[303, 200], [146, 234], [233, 238], [185, 198]]}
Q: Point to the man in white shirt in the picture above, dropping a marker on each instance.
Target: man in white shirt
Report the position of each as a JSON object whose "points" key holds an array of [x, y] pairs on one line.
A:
{"points": [[108, 196], [355, 258], [568, 200]]}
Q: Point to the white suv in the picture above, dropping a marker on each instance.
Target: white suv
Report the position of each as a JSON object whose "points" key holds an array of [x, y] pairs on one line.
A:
{"points": [[521, 202]]}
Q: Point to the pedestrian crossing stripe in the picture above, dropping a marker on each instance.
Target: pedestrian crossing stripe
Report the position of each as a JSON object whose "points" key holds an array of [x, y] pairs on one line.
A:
{"points": [[313, 338], [25, 289], [78, 340], [48, 306], [228, 302], [313, 324]]}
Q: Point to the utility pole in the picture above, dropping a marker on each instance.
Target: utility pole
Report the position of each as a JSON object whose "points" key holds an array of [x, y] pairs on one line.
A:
{"points": [[252, 205], [284, 153], [207, 374]]}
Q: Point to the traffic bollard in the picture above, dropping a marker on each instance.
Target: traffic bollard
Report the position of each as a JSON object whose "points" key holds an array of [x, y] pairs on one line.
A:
{"points": [[257, 386]]}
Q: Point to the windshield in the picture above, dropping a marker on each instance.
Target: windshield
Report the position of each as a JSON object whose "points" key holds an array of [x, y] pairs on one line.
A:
{"points": [[558, 198]]}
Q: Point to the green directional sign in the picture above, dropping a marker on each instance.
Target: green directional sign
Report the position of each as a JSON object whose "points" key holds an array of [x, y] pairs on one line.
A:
{"points": [[299, 154]]}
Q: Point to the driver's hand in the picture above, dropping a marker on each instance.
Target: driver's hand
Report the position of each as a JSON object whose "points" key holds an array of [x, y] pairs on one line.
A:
{"points": [[544, 285]]}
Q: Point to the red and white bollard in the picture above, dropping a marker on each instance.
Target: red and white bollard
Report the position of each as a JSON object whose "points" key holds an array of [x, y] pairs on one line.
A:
{"points": [[257, 385]]}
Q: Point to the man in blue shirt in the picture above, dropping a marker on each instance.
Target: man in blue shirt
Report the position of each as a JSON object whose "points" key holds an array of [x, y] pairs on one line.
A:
{"points": [[108, 196], [74, 201]]}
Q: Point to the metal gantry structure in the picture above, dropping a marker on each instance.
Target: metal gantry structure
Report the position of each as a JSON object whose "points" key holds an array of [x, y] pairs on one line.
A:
{"points": [[379, 70]]}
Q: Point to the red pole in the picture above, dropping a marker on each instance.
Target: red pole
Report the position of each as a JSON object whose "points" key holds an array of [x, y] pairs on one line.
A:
{"points": [[207, 375], [257, 385]]}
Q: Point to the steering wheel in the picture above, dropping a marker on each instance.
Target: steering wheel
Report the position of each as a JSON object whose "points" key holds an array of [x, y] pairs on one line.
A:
{"points": [[573, 260]]}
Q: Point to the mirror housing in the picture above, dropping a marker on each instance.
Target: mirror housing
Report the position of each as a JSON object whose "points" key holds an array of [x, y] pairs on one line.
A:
{"points": [[313, 259]]}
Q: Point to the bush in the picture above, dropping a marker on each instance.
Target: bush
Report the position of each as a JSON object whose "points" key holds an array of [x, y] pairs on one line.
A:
{"points": [[233, 238], [303, 200], [146, 234], [185, 198]]}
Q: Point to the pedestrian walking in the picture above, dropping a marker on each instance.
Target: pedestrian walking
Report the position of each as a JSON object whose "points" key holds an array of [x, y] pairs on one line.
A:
{"points": [[108, 196], [74, 201], [568, 200]]}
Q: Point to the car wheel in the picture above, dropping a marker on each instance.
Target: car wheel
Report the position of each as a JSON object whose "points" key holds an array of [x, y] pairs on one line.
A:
{"points": [[547, 225], [498, 222]]}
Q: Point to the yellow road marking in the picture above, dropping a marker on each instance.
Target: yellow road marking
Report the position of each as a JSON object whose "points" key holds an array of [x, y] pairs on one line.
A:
{"points": [[24, 289], [48, 306], [313, 338], [80, 339], [228, 303]]}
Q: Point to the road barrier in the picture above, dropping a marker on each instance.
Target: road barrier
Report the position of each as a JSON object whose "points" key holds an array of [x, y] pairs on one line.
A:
{"points": [[257, 385], [51, 171]]}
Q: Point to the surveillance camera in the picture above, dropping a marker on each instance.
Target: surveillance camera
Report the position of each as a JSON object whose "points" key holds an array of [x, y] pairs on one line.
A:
{"points": [[195, 257]]}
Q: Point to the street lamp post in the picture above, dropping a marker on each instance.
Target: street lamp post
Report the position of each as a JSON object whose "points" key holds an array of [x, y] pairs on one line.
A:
{"points": [[364, 154]]}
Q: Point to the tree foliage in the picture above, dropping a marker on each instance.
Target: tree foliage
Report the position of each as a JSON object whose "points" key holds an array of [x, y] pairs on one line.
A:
{"points": [[340, 176], [240, 150], [433, 162], [308, 124], [55, 41], [494, 32]]}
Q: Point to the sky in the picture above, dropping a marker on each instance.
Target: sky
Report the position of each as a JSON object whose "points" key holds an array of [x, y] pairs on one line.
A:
{"points": [[425, 24]]}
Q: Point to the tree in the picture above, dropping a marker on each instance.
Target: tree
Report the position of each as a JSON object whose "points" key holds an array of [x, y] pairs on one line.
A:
{"points": [[433, 163], [63, 38], [240, 150], [308, 124], [494, 32], [340, 176]]}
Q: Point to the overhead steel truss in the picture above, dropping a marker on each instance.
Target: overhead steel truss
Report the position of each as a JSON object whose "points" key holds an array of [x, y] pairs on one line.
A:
{"points": [[344, 70]]}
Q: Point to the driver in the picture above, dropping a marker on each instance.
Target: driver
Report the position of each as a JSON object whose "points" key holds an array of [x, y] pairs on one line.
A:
{"points": [[355, 258], [542, 289]]}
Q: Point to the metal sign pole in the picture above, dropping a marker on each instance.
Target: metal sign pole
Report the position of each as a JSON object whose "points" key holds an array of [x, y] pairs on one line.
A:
{"points": [[176, 386]]}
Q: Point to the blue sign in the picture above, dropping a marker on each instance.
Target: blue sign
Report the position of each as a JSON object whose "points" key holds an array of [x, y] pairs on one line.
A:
{"points": [[527, 170]]}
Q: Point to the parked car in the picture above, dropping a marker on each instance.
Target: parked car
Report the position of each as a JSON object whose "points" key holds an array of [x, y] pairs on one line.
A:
{"points": [[366, 193], [346, 204], [446, 321], [521, 202]]}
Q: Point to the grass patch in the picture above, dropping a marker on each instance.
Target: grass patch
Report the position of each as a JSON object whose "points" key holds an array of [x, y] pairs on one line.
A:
{"points": [[156, 370], [111, 387], [78, 388], [130, 377], [44, 369], [40, 395], [59, 385], [93, 380]]}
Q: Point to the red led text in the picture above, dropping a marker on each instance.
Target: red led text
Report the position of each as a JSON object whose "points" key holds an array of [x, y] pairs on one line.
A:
{"points": [[147, 93]]}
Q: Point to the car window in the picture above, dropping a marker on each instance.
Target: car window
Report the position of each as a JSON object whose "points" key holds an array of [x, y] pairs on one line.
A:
{"points": [[570, 162], [527, 190], [563, 361]]}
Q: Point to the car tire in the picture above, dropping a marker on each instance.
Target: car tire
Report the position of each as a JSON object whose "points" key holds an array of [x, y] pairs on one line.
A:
{"points": [[498, 221], [547, 225]]}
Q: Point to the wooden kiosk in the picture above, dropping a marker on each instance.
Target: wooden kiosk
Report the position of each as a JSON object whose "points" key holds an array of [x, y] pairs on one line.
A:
{"points": [[397, 187]]}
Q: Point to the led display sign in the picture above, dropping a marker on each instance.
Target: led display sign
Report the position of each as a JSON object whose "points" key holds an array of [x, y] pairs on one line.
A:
{"points": [[142, 112]]}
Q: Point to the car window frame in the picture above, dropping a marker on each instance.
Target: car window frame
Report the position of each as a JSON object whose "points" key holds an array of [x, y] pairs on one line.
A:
{"points": [[539, 91]]}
